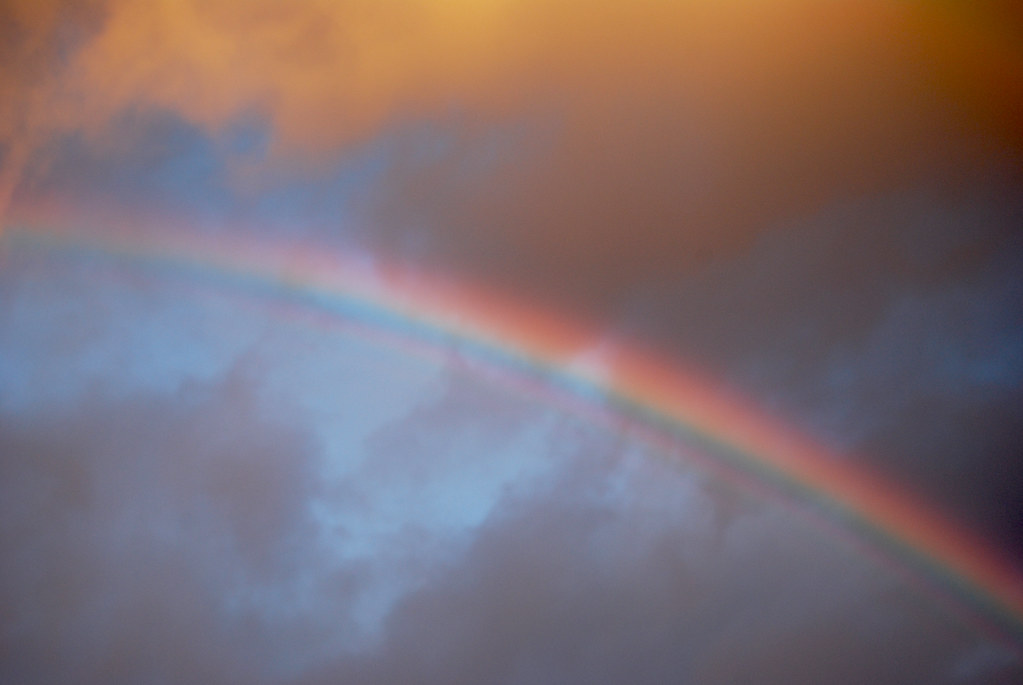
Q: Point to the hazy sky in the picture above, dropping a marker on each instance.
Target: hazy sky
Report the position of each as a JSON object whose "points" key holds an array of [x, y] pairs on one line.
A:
{"points": [[819, 205]]}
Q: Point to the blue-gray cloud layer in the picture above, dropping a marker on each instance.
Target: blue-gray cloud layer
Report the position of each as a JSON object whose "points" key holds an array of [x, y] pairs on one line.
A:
{"points": [[162, 524]]}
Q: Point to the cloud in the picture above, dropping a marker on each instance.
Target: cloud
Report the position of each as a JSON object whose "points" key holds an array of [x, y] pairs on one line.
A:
{"points": [[819, 202], [207, 528], [138, 533], [184, 546], [887, 327], [778, 88], [577, 583]]}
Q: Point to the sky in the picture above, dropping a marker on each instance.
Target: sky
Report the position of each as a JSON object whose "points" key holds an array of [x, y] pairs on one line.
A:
{"points": [[296, 297]]}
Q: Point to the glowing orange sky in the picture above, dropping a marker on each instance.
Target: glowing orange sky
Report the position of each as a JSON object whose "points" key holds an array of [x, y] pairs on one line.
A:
{"points": [[333, 72]]}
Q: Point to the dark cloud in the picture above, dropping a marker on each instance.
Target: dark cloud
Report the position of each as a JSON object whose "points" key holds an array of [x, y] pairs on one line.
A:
{"points": [[575, 584], [675, 161], [891, 328], [143, 537]]}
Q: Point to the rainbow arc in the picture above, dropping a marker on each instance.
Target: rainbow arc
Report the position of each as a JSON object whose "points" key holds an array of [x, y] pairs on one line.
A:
{"points": [[651, 396]]}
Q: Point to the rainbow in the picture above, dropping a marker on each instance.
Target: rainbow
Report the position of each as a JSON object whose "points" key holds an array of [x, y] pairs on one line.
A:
{"points": [[631, 387]]}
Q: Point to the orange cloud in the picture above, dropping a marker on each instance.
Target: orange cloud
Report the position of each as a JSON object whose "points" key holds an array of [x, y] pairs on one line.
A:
{"points": [[756, 79], [330, 71]]}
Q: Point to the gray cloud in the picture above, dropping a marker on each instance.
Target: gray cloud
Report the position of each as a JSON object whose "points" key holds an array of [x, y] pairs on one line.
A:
{"points": [[575, 584], [891, 328], [136, 535], [176, 536]]}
